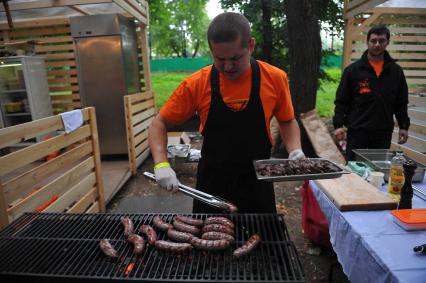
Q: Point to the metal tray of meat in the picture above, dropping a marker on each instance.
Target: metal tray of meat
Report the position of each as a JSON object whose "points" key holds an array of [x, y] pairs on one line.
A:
{"points": [[298, 177]]}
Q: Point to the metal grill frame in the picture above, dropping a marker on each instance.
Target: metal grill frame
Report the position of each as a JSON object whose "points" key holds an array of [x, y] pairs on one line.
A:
{"points": [[56, 246]]}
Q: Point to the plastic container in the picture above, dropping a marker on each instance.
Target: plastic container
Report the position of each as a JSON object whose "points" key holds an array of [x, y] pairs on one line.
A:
{"points": [[410, 219], [396, 176]]}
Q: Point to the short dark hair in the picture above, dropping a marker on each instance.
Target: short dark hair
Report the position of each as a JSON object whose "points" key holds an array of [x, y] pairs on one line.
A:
{"points": [[379, 29], [227, 27]]}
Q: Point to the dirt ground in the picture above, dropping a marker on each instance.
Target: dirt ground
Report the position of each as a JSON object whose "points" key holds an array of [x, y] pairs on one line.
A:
{"points": [[320, 265]]}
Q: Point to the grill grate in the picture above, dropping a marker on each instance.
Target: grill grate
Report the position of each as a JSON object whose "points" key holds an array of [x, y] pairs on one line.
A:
{"points": [[50, 247]]}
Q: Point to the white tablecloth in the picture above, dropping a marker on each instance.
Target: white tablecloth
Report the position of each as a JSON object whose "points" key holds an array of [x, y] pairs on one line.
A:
{"points": [[371, 247]]}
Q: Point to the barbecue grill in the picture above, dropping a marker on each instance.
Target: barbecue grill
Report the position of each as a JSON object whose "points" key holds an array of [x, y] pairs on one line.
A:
{"points": [[49, 247]]}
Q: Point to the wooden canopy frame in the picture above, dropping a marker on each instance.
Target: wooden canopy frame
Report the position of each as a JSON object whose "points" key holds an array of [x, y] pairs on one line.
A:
{"points": [[408, 40]]}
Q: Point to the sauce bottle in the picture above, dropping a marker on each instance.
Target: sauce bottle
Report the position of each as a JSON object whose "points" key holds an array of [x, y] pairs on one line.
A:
{"points": [[396, 176]]}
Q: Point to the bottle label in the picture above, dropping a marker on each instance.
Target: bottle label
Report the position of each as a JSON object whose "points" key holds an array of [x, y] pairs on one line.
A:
{"points": [[396, 184]]}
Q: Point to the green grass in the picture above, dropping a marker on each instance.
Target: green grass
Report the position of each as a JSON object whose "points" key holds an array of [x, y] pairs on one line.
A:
{"points": [[164, 83], [327, 93]]}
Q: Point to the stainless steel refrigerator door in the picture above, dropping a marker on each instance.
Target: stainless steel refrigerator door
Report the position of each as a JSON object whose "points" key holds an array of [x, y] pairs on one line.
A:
{"points": [[102, 85]]}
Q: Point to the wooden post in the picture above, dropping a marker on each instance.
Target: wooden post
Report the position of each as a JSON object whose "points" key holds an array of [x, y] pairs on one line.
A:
{"points": [[130, 134], [97, 155], [4, 218], [145, 60]]}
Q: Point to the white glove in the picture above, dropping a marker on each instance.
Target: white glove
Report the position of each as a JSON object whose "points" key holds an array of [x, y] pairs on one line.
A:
{"points": [[296, 154], [166, 178]]}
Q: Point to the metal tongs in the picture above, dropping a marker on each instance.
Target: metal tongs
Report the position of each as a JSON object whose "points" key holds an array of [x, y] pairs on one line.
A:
{"points": [[201, 196]]}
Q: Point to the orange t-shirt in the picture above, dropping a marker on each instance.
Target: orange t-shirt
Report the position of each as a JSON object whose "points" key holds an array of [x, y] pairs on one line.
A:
{"points": [[194, 95], [377, 66]]}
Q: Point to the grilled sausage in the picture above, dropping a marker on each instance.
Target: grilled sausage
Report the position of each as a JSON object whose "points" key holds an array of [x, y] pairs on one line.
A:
{"points": [[107, 248], [209, 245], [128, 226], [190, 221], [218, 228], [180, 226], [217, 236], [172, 247], [138, 243], [248, 246], [150, 233], [179, 236], [219, 220], [160, 224]]}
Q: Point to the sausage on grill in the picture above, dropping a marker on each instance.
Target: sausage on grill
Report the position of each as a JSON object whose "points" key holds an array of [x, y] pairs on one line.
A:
{"points": [[160, 224], [149, 232], [179, 236], [107, 248], [172, 247], [248, 246], [180, 226], [128, 226], [217, 236], [231, 208], [138, 243], [219, 220], [209, 245], [218, 228], [190, 220]]}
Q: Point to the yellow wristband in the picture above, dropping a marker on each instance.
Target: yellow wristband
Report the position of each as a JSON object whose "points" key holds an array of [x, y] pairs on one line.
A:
{"points": [[161, 165]]}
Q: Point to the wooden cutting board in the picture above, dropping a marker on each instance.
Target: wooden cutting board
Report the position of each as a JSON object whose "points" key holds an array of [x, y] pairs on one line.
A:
{"points": [[351, 192]]}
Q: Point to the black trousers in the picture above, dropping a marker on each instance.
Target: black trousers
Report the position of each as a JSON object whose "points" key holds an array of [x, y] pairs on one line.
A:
{"points": [[366, 139]]}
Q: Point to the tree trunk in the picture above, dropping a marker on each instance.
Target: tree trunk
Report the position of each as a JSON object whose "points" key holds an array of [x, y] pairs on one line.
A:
{"points": [[267, 31], [304, 50]]}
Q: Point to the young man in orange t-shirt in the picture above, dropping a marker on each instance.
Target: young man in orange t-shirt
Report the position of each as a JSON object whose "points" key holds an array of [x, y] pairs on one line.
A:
{"points": [[235, 99], [371, 91]]}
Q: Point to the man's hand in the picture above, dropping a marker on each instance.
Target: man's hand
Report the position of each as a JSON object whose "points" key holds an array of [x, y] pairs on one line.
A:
{"points": [[166, 178], [296, 154], [403, 136], [340, 134]]}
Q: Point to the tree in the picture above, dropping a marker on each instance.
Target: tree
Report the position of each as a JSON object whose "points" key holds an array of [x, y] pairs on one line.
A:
{"points": [[305, 51], [178, 28]]}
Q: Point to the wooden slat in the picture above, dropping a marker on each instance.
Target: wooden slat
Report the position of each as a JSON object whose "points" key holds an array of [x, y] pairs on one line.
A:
{"points": [[137, 97], [417, 156], [76, 104], [84, 202], [415, 73], [59, 56], [140, 148], [142, 126], [73, 194], [142, 106], [17, 159], [412, 64], [355, 10], [401, 21], [72, 88], [142, 116], [397, 29], [398, 47], [97, 156], [37, 22], [142, 157], [416, 81], [141, 137], [418, 56], [24, 183], [94, 208], [22, 132], [56, 47], [61, 72], [37, 4], [69, 80], [401, 11], [54, 64], [394, 38], [57, 187], [55, 39], [37, 32], [65, 97], [130, 134], [4, 219]]}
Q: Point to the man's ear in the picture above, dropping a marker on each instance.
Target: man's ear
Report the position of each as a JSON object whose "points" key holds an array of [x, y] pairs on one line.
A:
{"points": [[251, 45]]}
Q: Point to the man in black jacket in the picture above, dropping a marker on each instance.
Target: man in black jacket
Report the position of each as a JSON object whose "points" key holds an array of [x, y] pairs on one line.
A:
{"points": [[371, 91]]}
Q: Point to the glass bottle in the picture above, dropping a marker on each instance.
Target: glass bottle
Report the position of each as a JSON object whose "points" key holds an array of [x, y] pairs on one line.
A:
{"points": [[407, 189], [396, 176]]}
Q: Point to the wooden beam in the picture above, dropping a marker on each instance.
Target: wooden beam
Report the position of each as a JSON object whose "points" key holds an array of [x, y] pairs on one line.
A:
{"points": [[145, 58], [77, 9], [401, 11], [51, 3], [350, 12], [38, 22], [131, 10]]}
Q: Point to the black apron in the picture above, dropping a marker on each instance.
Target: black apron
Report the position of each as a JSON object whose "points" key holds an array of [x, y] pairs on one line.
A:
{"points": [[232, 140]]}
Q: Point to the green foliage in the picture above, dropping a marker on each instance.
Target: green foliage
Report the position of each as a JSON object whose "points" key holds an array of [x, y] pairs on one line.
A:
{"points": [[327, 93], [178, 28], [164, 83]]}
